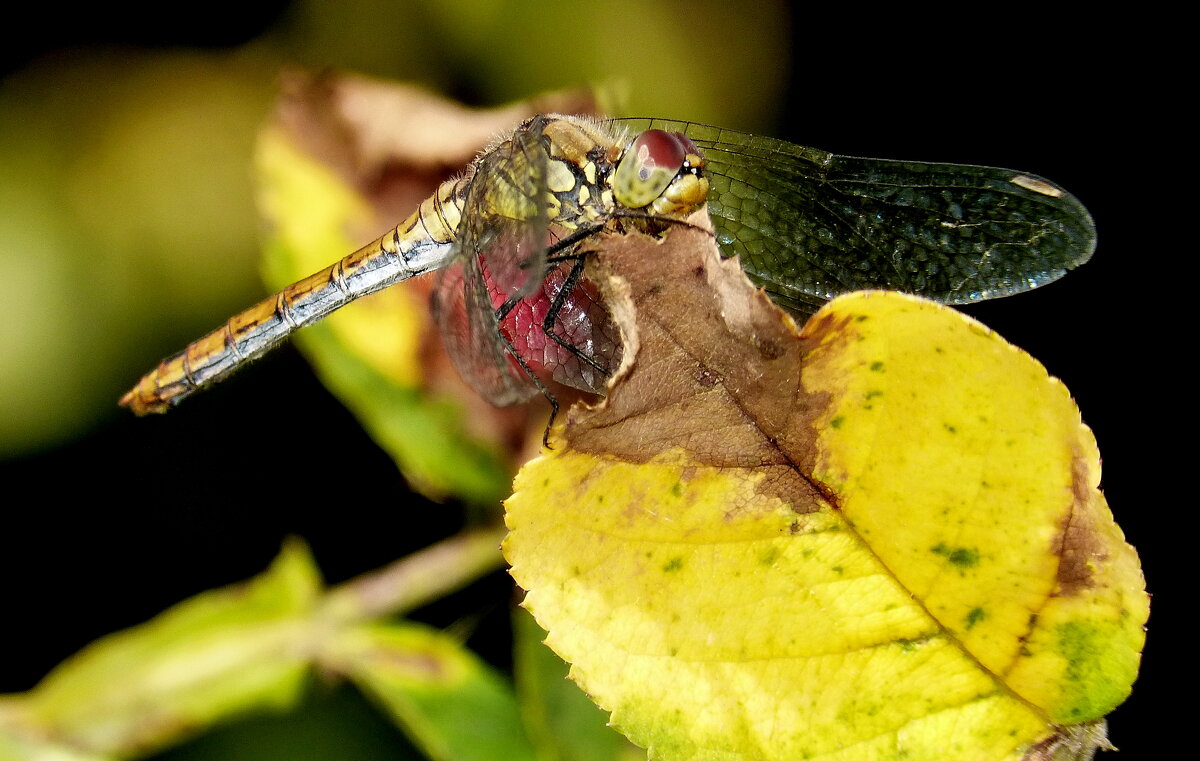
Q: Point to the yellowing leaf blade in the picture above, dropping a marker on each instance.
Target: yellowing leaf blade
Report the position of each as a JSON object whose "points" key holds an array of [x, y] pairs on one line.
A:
{"points": [[768, 544], [369, 353], [993, 498]]}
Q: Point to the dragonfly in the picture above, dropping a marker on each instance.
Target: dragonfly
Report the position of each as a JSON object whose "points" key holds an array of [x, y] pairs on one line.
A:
{"points": [[508, 239]]}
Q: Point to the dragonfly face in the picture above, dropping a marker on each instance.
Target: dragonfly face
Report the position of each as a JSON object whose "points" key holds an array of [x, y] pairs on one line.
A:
{"points": [[509, 240], [661, 172]]}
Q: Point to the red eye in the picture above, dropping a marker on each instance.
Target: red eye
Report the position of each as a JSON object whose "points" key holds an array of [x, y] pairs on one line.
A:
{"points": [[658, 149], [651, 163]]}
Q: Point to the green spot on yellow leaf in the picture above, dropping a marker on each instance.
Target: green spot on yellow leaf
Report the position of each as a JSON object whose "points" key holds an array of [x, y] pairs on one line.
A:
{"points": [[962, 557], [975, 616], [877, 367], [672, 565], [1092, 680]]}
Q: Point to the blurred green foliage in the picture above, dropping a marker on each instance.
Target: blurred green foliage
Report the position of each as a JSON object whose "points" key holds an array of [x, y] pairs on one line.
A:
{"points": [[335, 722], [126, 207], [253, 648]]}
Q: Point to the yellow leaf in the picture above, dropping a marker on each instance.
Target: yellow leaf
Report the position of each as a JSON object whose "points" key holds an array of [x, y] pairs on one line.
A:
{"points": [[313, 213], [878, 538]]}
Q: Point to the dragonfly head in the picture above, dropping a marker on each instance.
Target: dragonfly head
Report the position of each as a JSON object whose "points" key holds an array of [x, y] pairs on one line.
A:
{"points": [[661, 173]]}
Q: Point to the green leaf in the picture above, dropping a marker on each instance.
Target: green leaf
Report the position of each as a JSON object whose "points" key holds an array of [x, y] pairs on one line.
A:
{"points": [[565, 725], [450, 703], [218, 654], [16, 746]]}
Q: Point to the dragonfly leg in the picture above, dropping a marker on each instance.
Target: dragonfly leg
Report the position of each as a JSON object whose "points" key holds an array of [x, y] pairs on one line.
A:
{"points": [[568, 250], [532, 376], [556, 306], [554, 258]]}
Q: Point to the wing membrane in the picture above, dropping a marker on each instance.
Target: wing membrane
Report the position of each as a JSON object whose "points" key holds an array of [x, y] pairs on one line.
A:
{"points": [[808, 224], [500, 257], [508, 219]]}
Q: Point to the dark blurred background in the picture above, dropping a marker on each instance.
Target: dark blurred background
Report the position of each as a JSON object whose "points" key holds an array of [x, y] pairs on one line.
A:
{"points": [[127, 228]]}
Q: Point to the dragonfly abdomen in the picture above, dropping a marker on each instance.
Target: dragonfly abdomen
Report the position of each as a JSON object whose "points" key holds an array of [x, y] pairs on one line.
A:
{"points": [[418, 245]]}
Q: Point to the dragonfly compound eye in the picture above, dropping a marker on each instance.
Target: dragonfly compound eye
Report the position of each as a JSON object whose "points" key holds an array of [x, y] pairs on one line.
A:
{"points": [[648, 166]]}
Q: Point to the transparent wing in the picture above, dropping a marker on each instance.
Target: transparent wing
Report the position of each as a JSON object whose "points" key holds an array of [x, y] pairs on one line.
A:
{"points": [[500, 257], [808, 224], [506, 212], [463, 309]]}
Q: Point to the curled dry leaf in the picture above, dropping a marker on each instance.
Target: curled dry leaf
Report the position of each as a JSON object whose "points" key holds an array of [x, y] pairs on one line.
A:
{"points": [[879, 537], [389, 140]]}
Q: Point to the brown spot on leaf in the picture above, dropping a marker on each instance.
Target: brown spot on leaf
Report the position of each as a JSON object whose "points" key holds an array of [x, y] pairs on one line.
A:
{"points": [[769, 350], [822, 325], [1080, 548], [707, 378]]}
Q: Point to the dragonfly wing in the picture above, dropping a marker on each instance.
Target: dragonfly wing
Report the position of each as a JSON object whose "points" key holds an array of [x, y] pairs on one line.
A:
{"points": [[507, 213], [500, 257], [808, 224], [471, 334]]}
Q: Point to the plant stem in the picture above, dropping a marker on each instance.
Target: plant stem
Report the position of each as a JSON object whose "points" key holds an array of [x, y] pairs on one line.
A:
{"points": [[419, 578]]}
